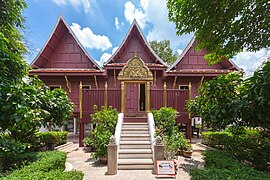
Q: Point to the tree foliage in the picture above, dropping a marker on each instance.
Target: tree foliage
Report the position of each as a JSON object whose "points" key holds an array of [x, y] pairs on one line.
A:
{"points": [[12, 65], [230, 99], [28, 104], [223, 27], [25, 102], [257, 97], [163, 50], [219, 101]]}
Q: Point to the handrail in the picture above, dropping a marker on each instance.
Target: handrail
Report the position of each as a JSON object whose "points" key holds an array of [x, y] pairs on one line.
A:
{"points": [[118, 129], [151, 125]]}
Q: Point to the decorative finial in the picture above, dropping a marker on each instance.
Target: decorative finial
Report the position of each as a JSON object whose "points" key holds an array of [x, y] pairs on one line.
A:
{"points": [[112, 140], [158, 140], [135, 54]]}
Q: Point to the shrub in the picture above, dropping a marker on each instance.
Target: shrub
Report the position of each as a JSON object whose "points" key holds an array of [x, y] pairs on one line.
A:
{"points": [[165, 120], [46, 162], [248, 146], [105, 121], [219, 165], [51, 137]]}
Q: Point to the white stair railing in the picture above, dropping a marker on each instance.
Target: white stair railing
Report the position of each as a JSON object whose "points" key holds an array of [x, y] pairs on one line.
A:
{"points": [[118, 129], [151, 126]]}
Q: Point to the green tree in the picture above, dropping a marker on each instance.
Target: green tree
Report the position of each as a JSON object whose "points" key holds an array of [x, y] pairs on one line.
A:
{"points": [[257, 97], [219, 102], [25, 102], [223, 27], [163, 50], [12, 65]]}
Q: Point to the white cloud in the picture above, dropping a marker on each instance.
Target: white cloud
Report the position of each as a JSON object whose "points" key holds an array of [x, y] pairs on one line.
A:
{"points": [[116, 23], [132, 13], [75, 3], [179, 52], [156, 12], [250, 61], [105, 56], [89, 39]]}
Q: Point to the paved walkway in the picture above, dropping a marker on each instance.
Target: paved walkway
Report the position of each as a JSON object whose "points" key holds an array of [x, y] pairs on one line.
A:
{"points": [[95, 171]]}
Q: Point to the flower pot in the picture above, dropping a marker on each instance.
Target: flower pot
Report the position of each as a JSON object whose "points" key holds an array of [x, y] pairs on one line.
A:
{"points": [[88, 149], [180, 152], [42, 148], [187, 154], [51, 146], [103, 160]]}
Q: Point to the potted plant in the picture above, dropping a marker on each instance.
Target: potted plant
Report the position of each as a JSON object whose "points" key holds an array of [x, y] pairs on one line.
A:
{"points": [[88, 144], [187, 149]]}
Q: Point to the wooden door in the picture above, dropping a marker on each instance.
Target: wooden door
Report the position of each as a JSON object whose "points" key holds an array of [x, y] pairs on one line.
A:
{"points": [[131, 98]]}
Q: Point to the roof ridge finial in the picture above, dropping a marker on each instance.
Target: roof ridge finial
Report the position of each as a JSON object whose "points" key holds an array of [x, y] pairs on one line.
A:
{"points": [[135, 55]]}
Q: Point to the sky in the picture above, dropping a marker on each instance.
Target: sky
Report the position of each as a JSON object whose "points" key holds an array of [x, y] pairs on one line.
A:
{"points": [[101, 26]]}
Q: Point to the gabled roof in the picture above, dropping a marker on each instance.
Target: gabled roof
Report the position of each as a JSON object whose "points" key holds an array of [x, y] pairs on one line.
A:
{"points": [[225, 62], [59, 30], [135, 27]]}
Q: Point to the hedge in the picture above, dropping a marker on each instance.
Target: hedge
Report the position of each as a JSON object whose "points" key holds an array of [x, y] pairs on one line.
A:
{"points": [[49, 165], [219, 165], [249, 147], [57, 137]]}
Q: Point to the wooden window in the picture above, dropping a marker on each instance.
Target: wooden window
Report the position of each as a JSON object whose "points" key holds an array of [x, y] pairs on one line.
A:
{"points": [[86, 86], [52, 87], [183, 87]]}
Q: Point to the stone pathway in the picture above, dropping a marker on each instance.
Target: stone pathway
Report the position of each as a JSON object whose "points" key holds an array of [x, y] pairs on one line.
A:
{"points": [[94, 170]]}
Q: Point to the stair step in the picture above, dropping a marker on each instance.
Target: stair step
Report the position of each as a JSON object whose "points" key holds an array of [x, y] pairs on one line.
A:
{"points": [[134, 129], [142, 138], [134, 123], [134, 126], [135, 146], [135, 135], [135, 132], [134, 156], [135, 142], [136, 161], [135, 151], [136, 167]]}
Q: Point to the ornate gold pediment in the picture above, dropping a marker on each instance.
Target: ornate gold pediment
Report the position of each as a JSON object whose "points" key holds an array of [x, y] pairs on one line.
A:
{"points": [[136, 70]]}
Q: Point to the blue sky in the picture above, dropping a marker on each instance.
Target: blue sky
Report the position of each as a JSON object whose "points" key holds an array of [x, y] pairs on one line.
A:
{"points": [[101, 26]]}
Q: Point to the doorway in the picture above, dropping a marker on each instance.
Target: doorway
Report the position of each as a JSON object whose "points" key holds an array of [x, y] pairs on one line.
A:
{"points": [[142, 97]]}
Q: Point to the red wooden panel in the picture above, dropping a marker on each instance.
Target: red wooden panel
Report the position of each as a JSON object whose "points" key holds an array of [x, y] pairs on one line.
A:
{"points": [[177, 99], [114, 99], [156, 99], [89, 99], [131, 98]]}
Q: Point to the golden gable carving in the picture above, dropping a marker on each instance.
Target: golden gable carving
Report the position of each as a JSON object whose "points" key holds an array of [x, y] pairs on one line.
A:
{"points": [[135, 69]]}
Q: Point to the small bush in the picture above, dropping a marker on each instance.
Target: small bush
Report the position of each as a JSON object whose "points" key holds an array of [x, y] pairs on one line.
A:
{"points": [[50, 137], [105, 121], [247, 146], [219, 165], [46, 162], [165, 120]]}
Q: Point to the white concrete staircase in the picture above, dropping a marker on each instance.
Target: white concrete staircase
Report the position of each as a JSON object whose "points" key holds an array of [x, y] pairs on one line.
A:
{"points": [[135, 147]]}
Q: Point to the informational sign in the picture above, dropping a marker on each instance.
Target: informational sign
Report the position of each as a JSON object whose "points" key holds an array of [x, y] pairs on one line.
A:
{"points": [[165, 167]]}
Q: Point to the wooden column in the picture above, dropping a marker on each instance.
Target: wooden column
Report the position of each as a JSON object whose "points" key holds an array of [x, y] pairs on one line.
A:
{"points": [[164, 95], [81, 133], [123, 97], [80, 99], [147, 107], [106, 95], [188, 126]]}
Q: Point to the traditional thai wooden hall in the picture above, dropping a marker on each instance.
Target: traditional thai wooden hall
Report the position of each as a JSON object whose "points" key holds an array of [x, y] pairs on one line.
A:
{"points": [[134, 80]]}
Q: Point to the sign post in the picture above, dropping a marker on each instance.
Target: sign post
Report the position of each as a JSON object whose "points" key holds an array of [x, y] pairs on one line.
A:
{"points": [[165, 168]]}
